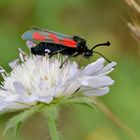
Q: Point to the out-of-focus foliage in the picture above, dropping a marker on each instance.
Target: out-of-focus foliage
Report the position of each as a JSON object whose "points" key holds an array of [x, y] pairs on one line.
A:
{"points": [[96, 21], [134, 24]]}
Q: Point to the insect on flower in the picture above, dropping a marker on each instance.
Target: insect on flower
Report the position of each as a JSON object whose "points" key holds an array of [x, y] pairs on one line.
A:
{"points": [[52, 43]]}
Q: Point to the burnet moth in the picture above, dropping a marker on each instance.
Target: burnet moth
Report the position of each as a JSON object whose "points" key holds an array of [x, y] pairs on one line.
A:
{"points": [[51, 43]]}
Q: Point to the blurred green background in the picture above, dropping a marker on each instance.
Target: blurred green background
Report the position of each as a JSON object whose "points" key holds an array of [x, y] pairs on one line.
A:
{"points": [[97, 21]]}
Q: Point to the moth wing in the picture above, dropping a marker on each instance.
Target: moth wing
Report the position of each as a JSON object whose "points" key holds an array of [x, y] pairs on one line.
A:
{"points": [[43, 35]]}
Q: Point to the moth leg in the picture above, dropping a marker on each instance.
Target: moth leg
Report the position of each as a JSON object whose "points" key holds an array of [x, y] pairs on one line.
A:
{"points": [[79, 60], [77, 90], [56, 52], [67, 59], [64, 62]]}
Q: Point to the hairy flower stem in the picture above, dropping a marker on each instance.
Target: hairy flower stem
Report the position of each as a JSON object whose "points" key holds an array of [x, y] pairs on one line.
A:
{"points": [[51, 113], [52, 127]]}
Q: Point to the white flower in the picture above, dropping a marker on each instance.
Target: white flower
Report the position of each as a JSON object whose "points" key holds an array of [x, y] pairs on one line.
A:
{"points": [[40, 79]]}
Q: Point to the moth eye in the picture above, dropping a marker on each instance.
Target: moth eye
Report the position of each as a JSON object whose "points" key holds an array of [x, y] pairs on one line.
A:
{"points": [[47, 51]]}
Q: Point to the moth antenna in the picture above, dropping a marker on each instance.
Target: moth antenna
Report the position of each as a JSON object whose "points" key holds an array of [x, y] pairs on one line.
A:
{"points": [[102, 44], [102, 56]]}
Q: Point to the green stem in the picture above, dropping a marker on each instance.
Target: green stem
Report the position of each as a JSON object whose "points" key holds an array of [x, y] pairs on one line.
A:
{"points": [[52, 127]]}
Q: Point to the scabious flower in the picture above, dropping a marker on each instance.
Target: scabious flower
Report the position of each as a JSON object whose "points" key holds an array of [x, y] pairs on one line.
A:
{"points": [[39, 80]]}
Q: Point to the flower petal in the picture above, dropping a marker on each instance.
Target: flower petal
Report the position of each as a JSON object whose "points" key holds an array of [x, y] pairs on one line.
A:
{"points": [[96, 81], [96, 92], [23, 56], [14, 63], [71, 88], [45, 99], [107, 69], [19, 88], [42, 84], [94, 67], [1, 70]]}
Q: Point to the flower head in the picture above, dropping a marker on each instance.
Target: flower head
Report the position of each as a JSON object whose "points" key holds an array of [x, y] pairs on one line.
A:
{"points": [[40, 79]]}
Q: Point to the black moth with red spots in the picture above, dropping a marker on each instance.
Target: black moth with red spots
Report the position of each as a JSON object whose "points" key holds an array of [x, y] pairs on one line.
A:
{"points": [[51, 43]]}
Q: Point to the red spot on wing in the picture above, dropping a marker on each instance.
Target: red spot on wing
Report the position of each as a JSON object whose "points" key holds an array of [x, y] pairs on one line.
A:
{"points": [[54, 37], [66, 41], [69, 42], [38, 36]]}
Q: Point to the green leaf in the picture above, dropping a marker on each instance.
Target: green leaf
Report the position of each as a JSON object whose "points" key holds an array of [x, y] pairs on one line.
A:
{"points": [[16, 121], [81, 100]]}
